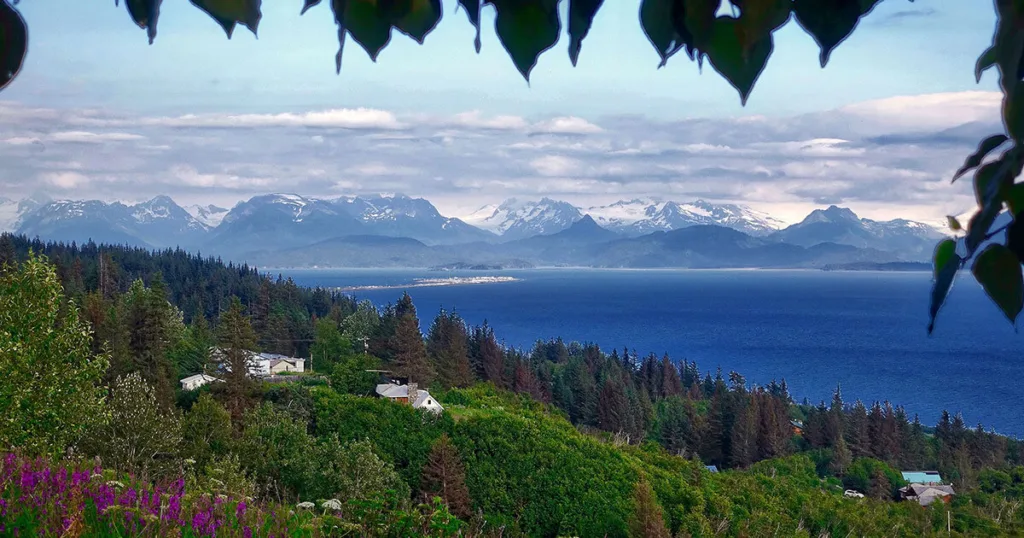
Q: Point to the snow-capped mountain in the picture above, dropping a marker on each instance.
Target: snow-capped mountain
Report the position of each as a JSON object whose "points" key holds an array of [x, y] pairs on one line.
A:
{"points": [[8, 214], [12, 212], [842, 226], [397, 215], [519, 219], [155, 223], [276, 221], [210, 215], [638, 217]]}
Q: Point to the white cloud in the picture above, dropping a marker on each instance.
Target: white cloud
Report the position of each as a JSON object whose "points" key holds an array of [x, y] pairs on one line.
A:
{"points": [[566, 125], [65, 180], [929, 111], [381, 169], [476, 120], [556, 165], [85, 137], [342, 118]]}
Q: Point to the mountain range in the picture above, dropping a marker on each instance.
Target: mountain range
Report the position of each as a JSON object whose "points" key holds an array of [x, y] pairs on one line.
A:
{"points": [[287, 230]]}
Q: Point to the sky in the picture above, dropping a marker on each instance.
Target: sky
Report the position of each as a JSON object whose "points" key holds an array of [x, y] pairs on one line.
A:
{"points": [[99, 113]]}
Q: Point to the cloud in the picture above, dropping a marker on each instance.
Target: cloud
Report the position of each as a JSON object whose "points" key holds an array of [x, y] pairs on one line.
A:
{"points": [[476, 120], [341, 118], [566, 125], [84, 137], [887, 157], [65, 180]]}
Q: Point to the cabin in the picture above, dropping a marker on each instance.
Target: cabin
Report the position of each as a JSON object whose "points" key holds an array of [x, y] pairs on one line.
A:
{"points": [[193, 382], [796, 427], [711, 468], [925, 487], [926, 494], [409, 394]]}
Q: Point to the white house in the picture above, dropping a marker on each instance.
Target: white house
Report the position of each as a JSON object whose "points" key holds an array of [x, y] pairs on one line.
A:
{"points": [[264, 364], [420, 399], [193, 382]]}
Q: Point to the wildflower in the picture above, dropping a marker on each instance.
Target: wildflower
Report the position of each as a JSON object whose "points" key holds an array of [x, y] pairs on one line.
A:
{"points": [[240, 509], [115, 484], [331, 504], [306, 505], [190, 461]]}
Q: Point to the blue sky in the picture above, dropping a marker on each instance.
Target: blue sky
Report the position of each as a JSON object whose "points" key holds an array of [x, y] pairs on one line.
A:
{"points": [[97, 112], [89, 53]]}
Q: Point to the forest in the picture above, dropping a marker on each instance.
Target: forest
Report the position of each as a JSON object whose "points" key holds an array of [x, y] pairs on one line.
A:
{"points": [[563, 439]]}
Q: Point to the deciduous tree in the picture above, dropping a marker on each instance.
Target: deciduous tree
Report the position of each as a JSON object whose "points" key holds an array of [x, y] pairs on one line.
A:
{"points": [[49, 390]]}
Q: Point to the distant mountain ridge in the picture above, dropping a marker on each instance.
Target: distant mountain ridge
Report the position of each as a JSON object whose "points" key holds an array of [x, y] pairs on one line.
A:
{"points": [[392, 230]]}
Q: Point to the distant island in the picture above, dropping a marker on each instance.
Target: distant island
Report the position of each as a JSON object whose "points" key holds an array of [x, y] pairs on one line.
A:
{"points": [[872, 266]]}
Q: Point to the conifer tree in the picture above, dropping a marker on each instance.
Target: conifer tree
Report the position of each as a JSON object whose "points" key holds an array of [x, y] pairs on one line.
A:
{"points": [[857, 433], [648, 519], [410, 354], [237, 340], [880, 488], [671, 385], [490, 356], [613, 412], [444, 476], [447, 346], [743, 448]]}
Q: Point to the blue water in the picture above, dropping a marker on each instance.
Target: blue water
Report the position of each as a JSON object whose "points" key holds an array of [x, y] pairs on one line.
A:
{"points": [[865, 330]]}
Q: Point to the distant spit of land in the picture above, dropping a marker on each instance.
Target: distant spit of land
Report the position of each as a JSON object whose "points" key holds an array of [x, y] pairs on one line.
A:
{"points": [[431, 282]]}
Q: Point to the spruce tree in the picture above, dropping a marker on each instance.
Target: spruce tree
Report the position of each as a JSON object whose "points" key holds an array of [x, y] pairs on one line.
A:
{"points": [[491, 356], [410, 354], [444, 476], [744, 434], [447, 346], [648, 519], [237, 340]]}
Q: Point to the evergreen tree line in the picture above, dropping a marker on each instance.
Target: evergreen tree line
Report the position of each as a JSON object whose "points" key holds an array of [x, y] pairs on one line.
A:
{"points": [[137, 303]]}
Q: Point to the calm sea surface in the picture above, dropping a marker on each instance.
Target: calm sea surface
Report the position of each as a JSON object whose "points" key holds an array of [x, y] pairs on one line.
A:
{"points": [[865, 330]]}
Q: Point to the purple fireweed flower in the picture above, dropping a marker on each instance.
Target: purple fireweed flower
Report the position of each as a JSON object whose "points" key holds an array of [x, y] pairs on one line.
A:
{"points": [[240, 509], [247, 532]]}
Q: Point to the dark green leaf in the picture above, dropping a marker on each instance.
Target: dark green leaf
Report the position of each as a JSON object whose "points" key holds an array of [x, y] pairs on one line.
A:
{"points": [[830, 21], [526, 28], [954, 224], [984, 148], [656, 19], [999, 271], [695, 20], [416, 18], [472, 8], [581, 16], [728, 57], [987, 180], [985, 61], [368, 26], [145, 14], [1015, 237], [945, 264], [978, 226], [339, 7], [759, 17], [229, 12], [1015, 199], [308, 4], [13, 43]]}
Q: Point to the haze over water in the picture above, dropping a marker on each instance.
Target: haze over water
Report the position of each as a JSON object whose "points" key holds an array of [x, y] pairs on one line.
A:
{"points": [[864, 330]]}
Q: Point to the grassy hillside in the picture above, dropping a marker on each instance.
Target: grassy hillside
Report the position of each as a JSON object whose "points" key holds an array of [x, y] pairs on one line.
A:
{"points": [[529, 469]]}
